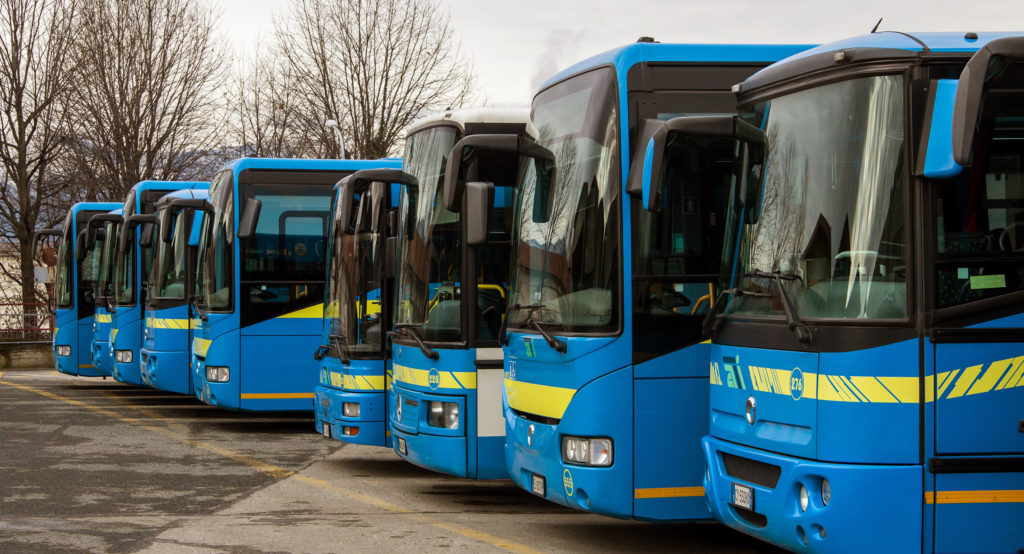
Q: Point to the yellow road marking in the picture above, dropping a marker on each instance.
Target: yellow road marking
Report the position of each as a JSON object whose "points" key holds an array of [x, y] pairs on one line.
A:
{"points": [[973, 497], [669, 492], [279, 472], [275, 395]]}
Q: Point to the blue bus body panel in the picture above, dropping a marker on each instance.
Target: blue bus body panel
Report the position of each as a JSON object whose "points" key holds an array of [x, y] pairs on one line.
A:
{"points": [[68, 328], [165, 357], [126, 331], [167, 335], [475, 448], [360, 382], [100, 342], [272, 359], [595, 371]]}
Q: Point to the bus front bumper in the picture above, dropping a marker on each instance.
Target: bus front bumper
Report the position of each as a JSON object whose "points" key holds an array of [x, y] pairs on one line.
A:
{"points": [[166, 370], [870, 508], [369, 427]]}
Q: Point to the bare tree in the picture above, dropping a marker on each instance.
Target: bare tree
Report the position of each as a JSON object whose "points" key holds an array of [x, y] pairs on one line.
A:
{"points": [[373, 65], [35, 78], [147, 106], [264, 106]]}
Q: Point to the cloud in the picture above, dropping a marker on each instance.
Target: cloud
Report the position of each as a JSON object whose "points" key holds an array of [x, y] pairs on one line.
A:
{"points": [[558, 51]]}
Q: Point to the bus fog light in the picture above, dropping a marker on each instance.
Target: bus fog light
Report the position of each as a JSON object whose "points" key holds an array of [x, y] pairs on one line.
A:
{"points": [[398, 410], [350, 409], [349, 431], [63, 350], [584, 451], [123, 356], [217, 374], [826, 493], [803, 498], [443, 414]]}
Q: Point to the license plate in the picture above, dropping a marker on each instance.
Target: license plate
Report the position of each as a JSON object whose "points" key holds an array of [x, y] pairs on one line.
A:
{"points": [[538, 485], [401, 446], [743, 496], [327, 429]]}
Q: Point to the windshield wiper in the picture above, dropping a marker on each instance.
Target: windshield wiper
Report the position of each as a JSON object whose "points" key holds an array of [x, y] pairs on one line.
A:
{"points": [[713, 320], [338, 342], [796, 325], [502, 335], [197, 301], [559, 345], [409, 330]]}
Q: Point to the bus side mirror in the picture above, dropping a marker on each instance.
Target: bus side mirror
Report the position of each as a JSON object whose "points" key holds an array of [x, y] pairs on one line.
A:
{"points": [[390, 257], [986, 64], [686, 132], [466, 150], [41, 234], [251, 215], [147, 220], [80, 245], [165, 224], [939, 162], [146, 235], [479, 199]]}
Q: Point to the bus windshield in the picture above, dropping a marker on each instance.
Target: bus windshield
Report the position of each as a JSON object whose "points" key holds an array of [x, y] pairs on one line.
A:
{"points": [[429, 269], [830, 224], [215, 247], [282, 266], [170, 266], [355, 277], [567, 265]]}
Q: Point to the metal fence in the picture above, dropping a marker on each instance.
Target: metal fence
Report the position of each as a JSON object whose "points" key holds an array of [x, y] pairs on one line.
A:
{"points": [[25, 322]]}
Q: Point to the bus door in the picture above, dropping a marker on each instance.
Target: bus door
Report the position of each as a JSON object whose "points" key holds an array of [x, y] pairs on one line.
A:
{"points": [[977, 338]]}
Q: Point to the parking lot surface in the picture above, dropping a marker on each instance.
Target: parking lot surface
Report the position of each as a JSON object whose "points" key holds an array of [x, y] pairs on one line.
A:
{"points": [[92, 465]]}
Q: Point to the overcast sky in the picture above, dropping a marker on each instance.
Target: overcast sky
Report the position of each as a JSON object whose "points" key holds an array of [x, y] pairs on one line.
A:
{"points": [[515, 45]]}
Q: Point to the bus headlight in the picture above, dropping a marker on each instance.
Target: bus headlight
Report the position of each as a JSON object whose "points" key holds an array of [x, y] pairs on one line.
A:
{"points": [[826, 492], [217, 374], [63, 350], [584, 451], [804, 500], [123, 356], [350, 409], [443, 414]]}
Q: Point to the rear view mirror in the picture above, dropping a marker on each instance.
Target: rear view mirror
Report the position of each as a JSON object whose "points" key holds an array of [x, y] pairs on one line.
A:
{"points": [[41, 234], [685, 132], [939, 162], [986, 64], [165, 224], [465, 151], [129, 227], [479, 199], [80, 246], [146, 235], [358, 183], [250, 216], [94, 227]]}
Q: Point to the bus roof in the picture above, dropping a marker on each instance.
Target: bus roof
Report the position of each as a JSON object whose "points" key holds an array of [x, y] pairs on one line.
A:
{"points": [[625, 57], [463, 116], [878, 46], [197, 192], [240, 164]]}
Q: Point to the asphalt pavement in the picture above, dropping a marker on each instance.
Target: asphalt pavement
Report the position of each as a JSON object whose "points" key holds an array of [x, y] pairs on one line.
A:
{"points": [[88, 464]]}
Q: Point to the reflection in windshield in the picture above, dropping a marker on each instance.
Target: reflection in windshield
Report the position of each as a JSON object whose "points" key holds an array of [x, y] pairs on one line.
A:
{"points": [[568, 261], [107, 259], [355, 277], [215, 248], [171, 259], [429, 292], [832, 207]]}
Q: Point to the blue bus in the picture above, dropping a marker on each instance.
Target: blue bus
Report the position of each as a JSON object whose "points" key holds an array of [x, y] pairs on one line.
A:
{"points": [[103, 230], [350, 403], [167, 332], [260, 287], [866, 362], [73, 300], [445, 408], [131, 275], [605, 382]]}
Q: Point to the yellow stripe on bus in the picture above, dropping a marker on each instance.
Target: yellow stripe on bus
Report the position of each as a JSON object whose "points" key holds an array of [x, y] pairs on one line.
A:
{"points": [[102, 318], [447, 379], [669, 492], [200, 346], [166, 323], [315, 311], [275, 395], [363, 382], [542, 400], [973, 497]]}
